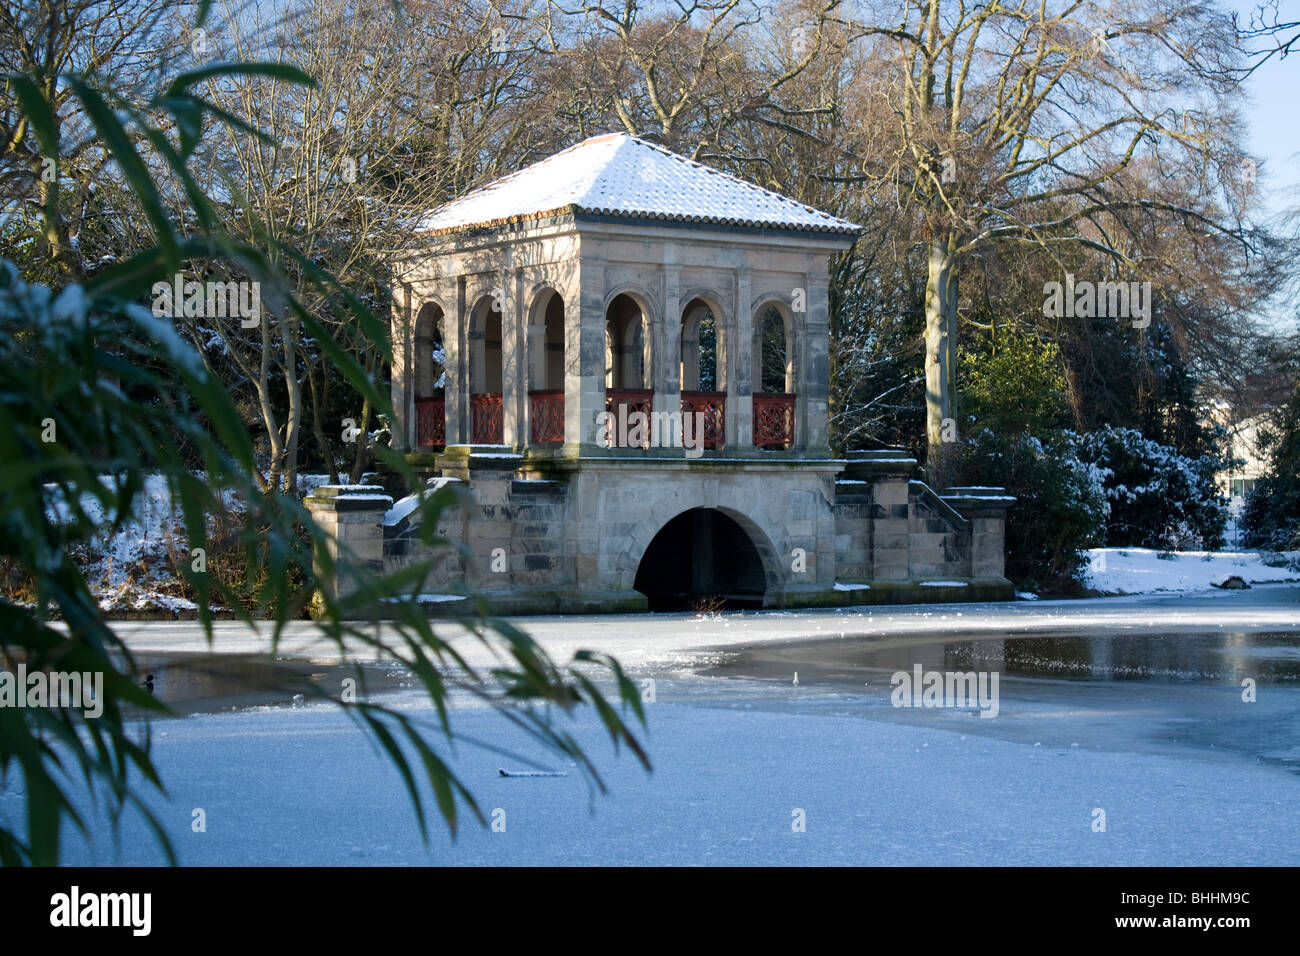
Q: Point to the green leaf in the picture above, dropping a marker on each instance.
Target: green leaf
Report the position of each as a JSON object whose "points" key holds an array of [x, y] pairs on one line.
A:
{"points": [[275, 71]]}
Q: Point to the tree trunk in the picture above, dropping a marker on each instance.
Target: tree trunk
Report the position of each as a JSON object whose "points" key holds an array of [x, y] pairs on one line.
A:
{"points": [[362, 457], [940, 354], [317, 389], [293, 418]]}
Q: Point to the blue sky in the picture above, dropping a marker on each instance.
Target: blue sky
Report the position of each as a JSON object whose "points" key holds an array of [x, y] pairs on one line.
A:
{"points": [[1272, 112]]}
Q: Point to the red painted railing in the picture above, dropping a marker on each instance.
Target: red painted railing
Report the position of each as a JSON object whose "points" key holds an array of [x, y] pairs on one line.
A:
{"points": [[430, 423], [547, 415], [714, 407], [489, 421], [774, 421], [634, 400]]}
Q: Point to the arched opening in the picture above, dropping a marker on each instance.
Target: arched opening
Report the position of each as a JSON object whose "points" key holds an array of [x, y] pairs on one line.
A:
{"points": [[703, 388], [774, 352], [774, 399], [430, 378], [627, 378], [625, 338], [701, 559], [700, 372], [430, 356], [487, 425], [546, 368]]}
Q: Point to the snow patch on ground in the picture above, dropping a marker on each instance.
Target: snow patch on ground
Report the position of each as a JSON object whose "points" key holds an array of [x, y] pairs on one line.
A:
{"points": [[428, 598], [132, 568], [1144, 571]]}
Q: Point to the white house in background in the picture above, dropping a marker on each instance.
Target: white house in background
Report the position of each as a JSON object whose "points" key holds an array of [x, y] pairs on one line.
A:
{"points": [[1246, 464], [1240, 477], [617, 281]]}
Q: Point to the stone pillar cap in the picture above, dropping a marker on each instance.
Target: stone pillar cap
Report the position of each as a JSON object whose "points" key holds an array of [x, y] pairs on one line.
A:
{"points": [[348, 491]]}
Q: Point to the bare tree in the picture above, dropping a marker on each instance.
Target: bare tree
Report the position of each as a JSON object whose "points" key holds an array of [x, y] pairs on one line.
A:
{"points": [[683, 73], [412, 105], [53, 195], [1266, 34], [1022, 122]]}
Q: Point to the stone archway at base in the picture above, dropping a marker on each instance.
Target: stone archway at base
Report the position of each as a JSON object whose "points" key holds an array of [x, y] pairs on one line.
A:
{"points": [[701, 558]]}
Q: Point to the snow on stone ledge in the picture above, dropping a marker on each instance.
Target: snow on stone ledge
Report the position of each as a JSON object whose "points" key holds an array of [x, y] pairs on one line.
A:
{"points": [[405, 506]]}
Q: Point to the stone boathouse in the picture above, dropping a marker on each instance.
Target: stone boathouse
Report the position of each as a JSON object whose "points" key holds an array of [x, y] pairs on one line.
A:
{"points": [[622, 354]]}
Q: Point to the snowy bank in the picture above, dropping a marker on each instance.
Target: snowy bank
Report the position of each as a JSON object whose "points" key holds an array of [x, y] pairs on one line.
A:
{"points": [[1144, 571]]}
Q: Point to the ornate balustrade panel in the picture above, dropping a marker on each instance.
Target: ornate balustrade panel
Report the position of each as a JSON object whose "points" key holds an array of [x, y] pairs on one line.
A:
{"points": [[774, 421], [489, 419], [713, 405], [547, 416], [430, 423], [621, 403]]}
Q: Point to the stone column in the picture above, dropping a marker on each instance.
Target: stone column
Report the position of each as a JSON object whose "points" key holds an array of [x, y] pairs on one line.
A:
{"points": [[813, 404], [403, 378], [668, 344], [352, 517], [740, 398], [455, 342], [886, 472], [513, 370], [584, 358], [986, 509]]}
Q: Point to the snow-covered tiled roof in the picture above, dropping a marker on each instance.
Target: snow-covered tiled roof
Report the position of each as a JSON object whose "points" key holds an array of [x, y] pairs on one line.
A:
{"points": [[620, 175]]}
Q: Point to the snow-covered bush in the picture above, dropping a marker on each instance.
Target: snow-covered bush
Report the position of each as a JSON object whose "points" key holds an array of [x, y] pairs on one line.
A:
{"points": [[1060, 508], [1158, 498]]}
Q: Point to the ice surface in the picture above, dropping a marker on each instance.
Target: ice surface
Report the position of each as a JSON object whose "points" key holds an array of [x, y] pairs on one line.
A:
{"points": [[733, 760], [302, 787]]}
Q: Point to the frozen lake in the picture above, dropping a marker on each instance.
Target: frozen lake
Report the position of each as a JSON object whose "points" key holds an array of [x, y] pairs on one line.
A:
{"points": [[1128, 706]]}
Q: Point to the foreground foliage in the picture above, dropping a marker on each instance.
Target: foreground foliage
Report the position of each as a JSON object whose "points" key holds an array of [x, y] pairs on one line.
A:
{"points": [[96, 392]]}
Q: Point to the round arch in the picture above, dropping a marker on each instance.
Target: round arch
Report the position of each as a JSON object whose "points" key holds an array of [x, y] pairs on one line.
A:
{"points": [[703, 344], [485, 328], [773, 348], [430, 358], [486, 368], [544, 410], [706, 554], [546, 339], [628, 340]]}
